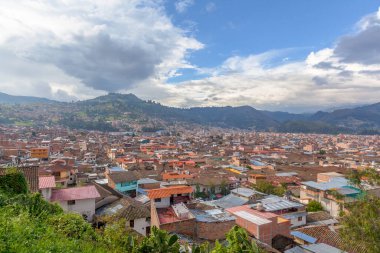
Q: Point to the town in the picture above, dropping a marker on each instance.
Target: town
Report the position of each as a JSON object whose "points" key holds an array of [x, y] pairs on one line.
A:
{"points": [[287, 190]]}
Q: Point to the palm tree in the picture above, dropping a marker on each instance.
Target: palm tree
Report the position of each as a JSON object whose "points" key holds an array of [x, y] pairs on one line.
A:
{"points": [[160, 241]]}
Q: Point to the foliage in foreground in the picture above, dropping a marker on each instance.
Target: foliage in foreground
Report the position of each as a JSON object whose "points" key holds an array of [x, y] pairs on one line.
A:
{"points": [[361, 225], [30, 224]]}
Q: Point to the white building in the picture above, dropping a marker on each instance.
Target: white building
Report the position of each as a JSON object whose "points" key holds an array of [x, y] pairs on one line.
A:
{"points": [[79, 200], [90, 158], [45, 186]]}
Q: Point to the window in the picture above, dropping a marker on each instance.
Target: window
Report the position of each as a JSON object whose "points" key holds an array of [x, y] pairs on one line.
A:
{"points": [[71, 202], [132, 223], [300, 218], [157, 200], [178, 195]]}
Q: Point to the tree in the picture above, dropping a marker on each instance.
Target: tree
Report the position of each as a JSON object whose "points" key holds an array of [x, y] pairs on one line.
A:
{"points": [[223, 188], [268, 188], [13, 182], [159, 241], [369, 175], [198, 193], [361, 225], [314, 206], [239, 241], [30, 224]]}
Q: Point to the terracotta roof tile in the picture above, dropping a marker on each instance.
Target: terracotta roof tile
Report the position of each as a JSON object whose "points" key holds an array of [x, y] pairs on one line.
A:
{"points": [[167, 192], [324, 235], [46, 182]]}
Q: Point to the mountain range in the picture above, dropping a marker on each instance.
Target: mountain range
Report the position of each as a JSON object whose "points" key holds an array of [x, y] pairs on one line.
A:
{"points": [[98, 113], [10, 99]]}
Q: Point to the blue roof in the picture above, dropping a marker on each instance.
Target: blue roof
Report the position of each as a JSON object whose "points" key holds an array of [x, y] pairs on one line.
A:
{"points": [[257, 163], [346, 190], [336, 182], [115, 169], [305, 237]]}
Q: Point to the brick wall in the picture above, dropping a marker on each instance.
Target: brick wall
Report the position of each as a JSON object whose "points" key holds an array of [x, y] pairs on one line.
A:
{"points": [[154, 220], [265, 232], [186, 227], [249, 226], [213, 230]]}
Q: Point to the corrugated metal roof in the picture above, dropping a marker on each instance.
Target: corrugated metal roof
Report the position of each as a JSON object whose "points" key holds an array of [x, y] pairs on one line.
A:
{"points": [[304, 237], [229, 201], [252, 218], [214, 215], [347, 191], [322, 248], [296, 249], [142, 199], [274, 203], [146, 181], [245, 192], [336, 182]]}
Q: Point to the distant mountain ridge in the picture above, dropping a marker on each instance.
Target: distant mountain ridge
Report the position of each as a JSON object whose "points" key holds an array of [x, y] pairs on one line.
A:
{"points": [[10, 99], [92, 113]]}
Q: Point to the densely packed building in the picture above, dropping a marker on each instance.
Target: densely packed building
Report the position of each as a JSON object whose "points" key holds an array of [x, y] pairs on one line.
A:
{"points": [[198, 184]]}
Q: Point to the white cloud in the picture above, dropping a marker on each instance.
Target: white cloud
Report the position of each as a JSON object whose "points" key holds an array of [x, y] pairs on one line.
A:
{"points": [[83, 48], [331, 77], [93, 45], [182, 5]]}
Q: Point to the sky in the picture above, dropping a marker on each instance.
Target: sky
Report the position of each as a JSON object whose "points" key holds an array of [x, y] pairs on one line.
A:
{"points": [[295, 55]]}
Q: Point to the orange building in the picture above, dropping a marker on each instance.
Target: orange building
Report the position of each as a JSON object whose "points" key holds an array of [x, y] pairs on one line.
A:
{"points": [[41, 153]]}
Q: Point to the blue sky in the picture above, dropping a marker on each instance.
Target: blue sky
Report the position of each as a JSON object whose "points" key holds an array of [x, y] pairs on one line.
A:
{"points": [[294, 55], [247, 27]]}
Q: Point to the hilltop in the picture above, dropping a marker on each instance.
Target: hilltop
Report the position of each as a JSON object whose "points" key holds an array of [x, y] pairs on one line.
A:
{"points": [[115, 111]]}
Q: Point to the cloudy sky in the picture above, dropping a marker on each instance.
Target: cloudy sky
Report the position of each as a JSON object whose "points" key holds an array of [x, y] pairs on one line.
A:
{"points": [[297, 56]]}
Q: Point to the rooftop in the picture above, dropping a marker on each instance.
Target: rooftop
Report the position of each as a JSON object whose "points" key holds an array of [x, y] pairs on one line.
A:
{"points": [[336, 182], [77, 193], [167, 215], [275, 203], [245, 192], [252, 218], [168, 191], [229, 201], [213, 215], [46, 182]]}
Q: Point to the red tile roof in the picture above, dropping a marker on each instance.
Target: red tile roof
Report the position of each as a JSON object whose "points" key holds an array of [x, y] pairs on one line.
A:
{"points": [[167, 176], [167, 192], [325, 235], [77, 193], [46, 182]]}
